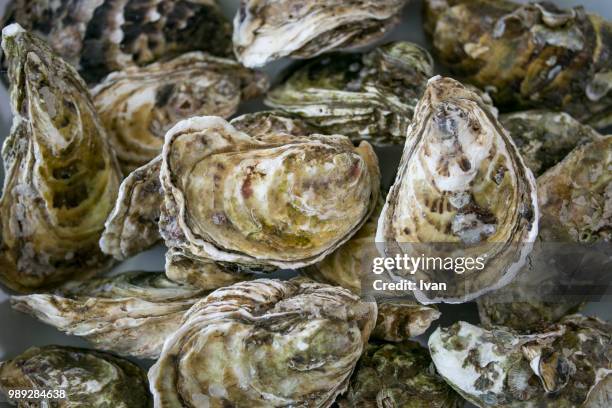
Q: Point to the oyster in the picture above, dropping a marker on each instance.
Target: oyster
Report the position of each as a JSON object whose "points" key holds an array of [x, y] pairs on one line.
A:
{"points": [[264, 343], [401, 320], [89, 378], [101, 36], [61, 176], [139, 105], [132, 225], [366, 96], [544, 138], [575, 199], [274, 200], [266, 30], [462, 190], [530, 55], [131, 314], [398, 375], [554, 368]]}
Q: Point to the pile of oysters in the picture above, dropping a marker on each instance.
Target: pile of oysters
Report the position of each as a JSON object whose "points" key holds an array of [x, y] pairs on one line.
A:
{"points": [[126, 135]]}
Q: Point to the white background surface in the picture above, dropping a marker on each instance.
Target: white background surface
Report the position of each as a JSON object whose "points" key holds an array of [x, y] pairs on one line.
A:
{"points": [[18, 331]]}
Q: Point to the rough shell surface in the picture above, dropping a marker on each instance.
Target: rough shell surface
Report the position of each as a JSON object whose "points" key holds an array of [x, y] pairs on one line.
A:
{"points": [[398, 375], [140, 104], [366, 96], [544, 138], [264, 343], [266, 30], [499, 368], [533, 55], [575, 199], [102, 36], [90, 378], [272, 200], [462, 189], [132, 226], [130, 314], [61, 177]]}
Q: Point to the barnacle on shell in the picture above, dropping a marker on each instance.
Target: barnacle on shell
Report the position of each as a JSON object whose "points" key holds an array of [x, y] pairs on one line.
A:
{"points": [[365, 96], [138, 105], [89, 378], [61, 176], [462, 190], [266, 30], [534, 55], [558, 367], [264, 343], [130, 314], [101, 36]]}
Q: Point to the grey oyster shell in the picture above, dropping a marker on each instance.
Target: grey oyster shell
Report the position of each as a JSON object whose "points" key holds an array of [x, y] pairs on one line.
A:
{"points": [[264, 343], [266, 30], [534, 55], [90, 378], [140, 104], [130, 314], [61, 176], [544, 138], [462, 189], [366, 96], [102, 36], [398, 375], [575, 199], [132, 226], [273, 200], [559, 367]]}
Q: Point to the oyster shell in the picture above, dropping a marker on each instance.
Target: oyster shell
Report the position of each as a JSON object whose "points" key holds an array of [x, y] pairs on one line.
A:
{"points": [[544, 138], [139, 105], [401, 320], [132, 226], [61, 177], [462, 190], [266, 343], [398, 375], [116, 382], [101, 36], [366, 96], [272, 201], [266, 30], [498, 368], [131, 314], [530, 55], [575, 199]]}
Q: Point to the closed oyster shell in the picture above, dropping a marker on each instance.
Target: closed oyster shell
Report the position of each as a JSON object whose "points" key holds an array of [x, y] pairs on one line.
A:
{"points": [[366, 96], [528, 55], [544, 138], [132, 226], [266, 30], [264, 343], [272, 201], [61, 177], [398, 375], [461, 184], [139, 105], [575, 199], [116, 382], [130, 314], [499, 368], [101, 36]]}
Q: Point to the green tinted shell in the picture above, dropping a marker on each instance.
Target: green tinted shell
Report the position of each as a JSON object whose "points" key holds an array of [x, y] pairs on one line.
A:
{"points": [[398, 375], [528, 56], [366, 96], [61, 176], [90, 378]]}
